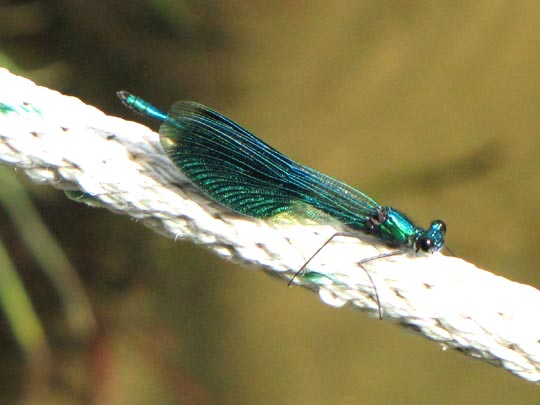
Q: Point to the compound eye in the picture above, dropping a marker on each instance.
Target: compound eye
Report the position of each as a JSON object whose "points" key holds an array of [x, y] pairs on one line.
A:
{"points": [[425, 244], [440, 225]]}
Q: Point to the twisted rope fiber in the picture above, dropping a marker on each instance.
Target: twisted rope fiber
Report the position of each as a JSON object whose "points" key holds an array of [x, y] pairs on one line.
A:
{"points": [[60, 141]]}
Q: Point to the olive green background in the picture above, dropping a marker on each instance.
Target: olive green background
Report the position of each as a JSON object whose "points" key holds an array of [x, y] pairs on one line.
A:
{"points": [[432, 107]]}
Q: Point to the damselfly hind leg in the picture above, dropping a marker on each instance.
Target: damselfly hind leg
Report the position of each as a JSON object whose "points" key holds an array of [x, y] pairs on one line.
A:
{"points": [[360, 263], [301, 270]]}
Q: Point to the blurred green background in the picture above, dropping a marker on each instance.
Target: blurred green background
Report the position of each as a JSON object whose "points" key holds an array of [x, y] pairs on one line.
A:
{"points": [[432, 107]]}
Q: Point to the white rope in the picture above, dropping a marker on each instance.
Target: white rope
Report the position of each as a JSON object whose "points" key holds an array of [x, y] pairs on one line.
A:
{"points": [[61, 141]]}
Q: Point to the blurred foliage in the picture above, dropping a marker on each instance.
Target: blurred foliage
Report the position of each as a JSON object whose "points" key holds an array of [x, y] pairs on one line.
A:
{"points": [[428, 106]]}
